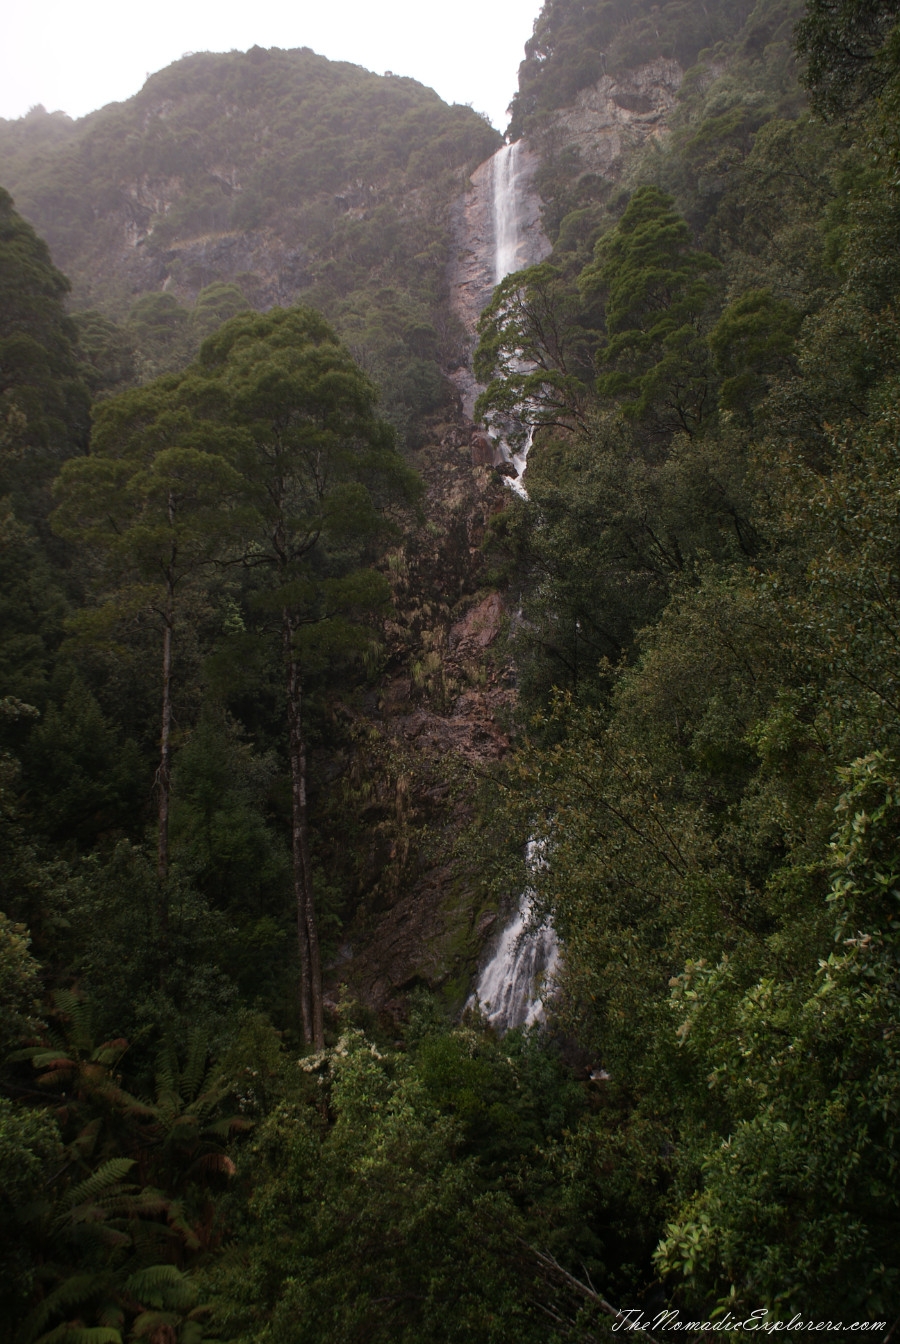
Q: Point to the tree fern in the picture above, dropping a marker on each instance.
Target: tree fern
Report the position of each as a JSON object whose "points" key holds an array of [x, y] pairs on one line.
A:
{"points": [[81, 1334], [161, 1286], [101, 1183], [195, 1076], [72, 1292]]}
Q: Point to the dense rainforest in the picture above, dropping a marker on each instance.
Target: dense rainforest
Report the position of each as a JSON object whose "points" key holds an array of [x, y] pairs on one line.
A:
{"points": [[238, 513]]}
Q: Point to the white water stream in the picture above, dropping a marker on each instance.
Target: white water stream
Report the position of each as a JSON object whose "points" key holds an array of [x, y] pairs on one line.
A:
{"points": [[515, 981], [505, 173], [507, 204], [518, 976]]}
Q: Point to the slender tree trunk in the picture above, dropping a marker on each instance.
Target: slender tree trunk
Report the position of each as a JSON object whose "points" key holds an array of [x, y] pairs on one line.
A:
{"points": [[307, 933], [163, 785], [164, 775]]}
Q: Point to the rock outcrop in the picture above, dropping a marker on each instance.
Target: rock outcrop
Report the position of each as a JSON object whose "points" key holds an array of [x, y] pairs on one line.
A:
{"points": [[613, 118]]}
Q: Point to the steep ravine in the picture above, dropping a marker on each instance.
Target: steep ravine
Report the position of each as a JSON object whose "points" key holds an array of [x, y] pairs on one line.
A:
{"points": [[433, 927], [427, 924]]}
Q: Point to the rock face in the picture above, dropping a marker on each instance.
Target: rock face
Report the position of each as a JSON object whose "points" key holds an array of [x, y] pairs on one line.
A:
{"points": [[617, 115], [438, 725], [483, 451], [270, 272]]}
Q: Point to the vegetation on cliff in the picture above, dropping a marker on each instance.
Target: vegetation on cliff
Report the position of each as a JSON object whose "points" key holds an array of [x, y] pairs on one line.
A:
{"points": [[705, 566], [259, 178], [575, 42], [194, 1144]]}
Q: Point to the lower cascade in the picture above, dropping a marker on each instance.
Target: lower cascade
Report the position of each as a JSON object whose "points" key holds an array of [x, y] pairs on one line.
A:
{"points": [[519, 976]]}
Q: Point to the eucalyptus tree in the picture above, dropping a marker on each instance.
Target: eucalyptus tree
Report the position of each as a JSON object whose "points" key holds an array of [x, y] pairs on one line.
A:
{"points": [[318, 470], [657, 294], [534, 351], [154, 504]]}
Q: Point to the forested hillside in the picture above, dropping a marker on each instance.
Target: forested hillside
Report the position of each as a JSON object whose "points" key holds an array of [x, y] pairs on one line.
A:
{"points": [[251, 179], [243, 541]]}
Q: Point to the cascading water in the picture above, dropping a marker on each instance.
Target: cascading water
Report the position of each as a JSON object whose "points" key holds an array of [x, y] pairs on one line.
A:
{"points": [[498, 231], [504, 176], [507, 210], [512, 987]]}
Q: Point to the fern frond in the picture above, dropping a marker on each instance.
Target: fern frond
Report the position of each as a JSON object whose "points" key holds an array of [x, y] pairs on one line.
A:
{"points": [[167, 1071], [99, 1183], [111, 1315], [110, 1052], [86, 1138], [133, 1105], [151, 1278], [70, 1293], [192, 1332], [219, 1162], [47, 1057], [99, 1233], [149, 1321], [178, 1223], [230, 1124], [148, 1201], [194, 1074], [81, 1334]]}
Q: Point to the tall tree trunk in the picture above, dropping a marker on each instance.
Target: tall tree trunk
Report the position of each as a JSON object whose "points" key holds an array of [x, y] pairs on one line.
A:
{"points": [[163, 776], [307, 933]]}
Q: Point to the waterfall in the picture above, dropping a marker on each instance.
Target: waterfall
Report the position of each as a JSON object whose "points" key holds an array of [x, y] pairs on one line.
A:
{"points": [[509, 186], [505, 201], [496, 230], [512, 985]]}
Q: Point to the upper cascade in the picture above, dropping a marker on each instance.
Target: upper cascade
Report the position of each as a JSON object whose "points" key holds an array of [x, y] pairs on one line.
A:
{"points": [[507, 165], [497, 230]]}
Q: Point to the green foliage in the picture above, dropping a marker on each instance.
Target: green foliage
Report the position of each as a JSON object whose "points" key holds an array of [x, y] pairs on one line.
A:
{"points": [[809, 1074], [101, 1234], [753, 340], [107, 351], [159, 327], [656, 296], [32, 610], [79, 773], [220, 831], [43, 400], [216, 304], [704, 575], [731, 963], [143, 980], [19, 986], [317, 466], [30, 1147], [610, 530], [844, 44], [533, 353], [397, 1217]]}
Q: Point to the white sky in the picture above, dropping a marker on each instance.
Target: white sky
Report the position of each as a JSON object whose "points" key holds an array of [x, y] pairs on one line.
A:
{"points": [[80, 56]]}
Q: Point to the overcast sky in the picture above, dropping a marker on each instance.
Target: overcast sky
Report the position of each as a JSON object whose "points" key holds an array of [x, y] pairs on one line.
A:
{"points": [[80, 56]]}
